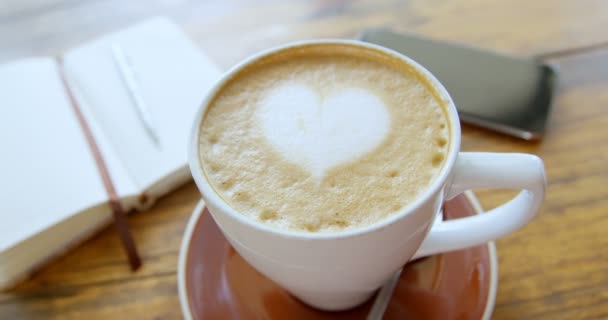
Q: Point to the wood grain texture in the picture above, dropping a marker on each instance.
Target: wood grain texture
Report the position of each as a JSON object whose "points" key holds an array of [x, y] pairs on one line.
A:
{"points": [[555, 268]]}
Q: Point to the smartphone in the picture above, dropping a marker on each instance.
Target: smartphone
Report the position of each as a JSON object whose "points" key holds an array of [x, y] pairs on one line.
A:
{"points": [[506, 94]]}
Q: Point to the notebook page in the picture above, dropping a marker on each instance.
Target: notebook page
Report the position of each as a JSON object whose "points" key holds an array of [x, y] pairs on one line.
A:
{"points": [[120, 177], [47, 172], [173, 77]]}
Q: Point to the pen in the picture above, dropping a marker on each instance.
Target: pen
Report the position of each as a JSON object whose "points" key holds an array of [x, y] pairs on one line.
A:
{"points": [[126, 72]]}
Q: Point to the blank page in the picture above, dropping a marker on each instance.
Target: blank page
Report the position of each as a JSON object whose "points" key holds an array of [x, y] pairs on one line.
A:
{"points": [[47, 172], [173, 77]]}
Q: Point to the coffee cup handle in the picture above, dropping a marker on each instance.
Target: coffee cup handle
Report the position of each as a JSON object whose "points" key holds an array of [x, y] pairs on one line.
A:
{"points": [[489, 170]]}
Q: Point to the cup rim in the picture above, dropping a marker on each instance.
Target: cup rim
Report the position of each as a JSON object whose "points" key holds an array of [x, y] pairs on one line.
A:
{"points": [[212, 197]]}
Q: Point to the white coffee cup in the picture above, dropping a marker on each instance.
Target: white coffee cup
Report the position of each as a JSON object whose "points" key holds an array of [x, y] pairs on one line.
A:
{"points": [[340, 270]]}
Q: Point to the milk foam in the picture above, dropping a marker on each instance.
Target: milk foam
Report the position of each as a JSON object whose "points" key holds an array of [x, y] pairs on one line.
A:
{"points": [[319, 133], [323, 141]]}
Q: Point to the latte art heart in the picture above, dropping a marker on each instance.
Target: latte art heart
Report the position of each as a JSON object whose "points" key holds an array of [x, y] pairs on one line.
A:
{"points": [[325, 140], [319, 134]]}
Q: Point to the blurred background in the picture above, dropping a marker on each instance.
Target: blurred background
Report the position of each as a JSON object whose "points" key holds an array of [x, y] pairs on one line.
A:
{"points": [[230, 30]]}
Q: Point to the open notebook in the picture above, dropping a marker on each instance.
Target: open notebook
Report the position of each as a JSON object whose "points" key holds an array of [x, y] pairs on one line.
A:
{"points": [[52, 195]]}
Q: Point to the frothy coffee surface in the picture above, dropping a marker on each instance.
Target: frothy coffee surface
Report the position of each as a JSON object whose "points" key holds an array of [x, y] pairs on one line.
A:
{"points": [[323, 139]]}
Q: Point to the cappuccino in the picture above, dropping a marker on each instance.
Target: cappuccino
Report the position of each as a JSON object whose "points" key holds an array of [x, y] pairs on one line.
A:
{"points": [[323, 138]]}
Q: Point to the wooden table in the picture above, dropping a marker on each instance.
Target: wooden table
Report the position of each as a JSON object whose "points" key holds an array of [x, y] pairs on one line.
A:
{"points": [[555, 268]]}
